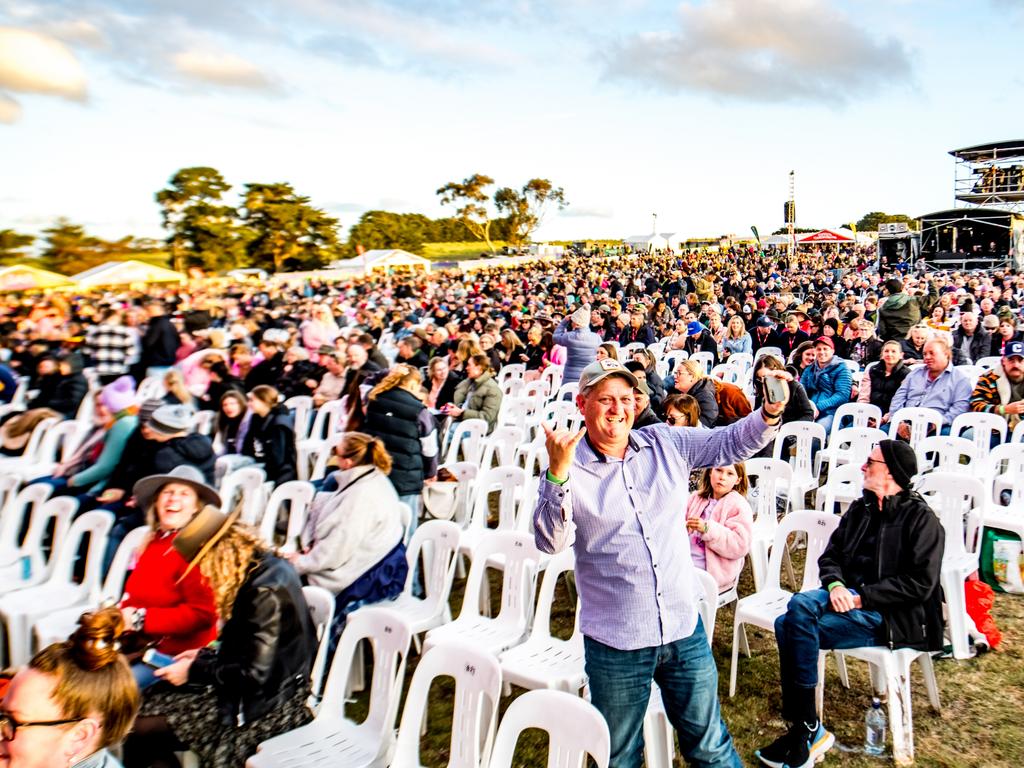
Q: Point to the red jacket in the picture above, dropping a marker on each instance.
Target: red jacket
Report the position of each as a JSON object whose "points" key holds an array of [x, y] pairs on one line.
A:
{"points": [[181, 615]]}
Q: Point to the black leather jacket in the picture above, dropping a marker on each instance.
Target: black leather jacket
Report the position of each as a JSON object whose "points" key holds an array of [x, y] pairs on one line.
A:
{"points": [[266, 647], [906, 588]]}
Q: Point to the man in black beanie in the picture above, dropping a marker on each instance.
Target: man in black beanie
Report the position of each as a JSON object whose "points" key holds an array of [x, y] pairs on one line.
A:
{"points": [[879, 586]]}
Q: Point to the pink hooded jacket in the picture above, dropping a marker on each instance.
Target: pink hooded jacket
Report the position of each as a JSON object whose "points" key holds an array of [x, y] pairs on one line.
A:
{"points": [[727, 541]]}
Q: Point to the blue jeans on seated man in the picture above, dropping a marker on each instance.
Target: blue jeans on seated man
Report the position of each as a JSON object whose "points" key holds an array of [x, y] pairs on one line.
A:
{"points": [[808, 626], [620, 688]]}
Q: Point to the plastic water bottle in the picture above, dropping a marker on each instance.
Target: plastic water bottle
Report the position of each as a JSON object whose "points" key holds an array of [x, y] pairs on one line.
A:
{"points": [[874, 732]]}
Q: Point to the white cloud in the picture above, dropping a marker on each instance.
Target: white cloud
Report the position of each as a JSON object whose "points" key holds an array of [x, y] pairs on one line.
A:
{"points": [[10, 110], [77, 32], [587, 212], [224, 69], [31, 62], [761, 50]]}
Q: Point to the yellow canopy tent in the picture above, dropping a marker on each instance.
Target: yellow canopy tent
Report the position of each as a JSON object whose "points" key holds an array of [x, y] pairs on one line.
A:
{"points": [[24, 277], [126, 273]]}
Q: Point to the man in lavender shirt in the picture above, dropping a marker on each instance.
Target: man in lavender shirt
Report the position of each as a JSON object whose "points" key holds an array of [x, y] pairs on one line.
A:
{"points": [[618, 498]]}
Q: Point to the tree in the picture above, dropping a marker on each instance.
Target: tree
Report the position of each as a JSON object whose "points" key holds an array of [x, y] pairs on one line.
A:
{"points": [[869, 221], [203, 231], [472, 199], [13, 246], [70, 250], [285, 231], [384, 229], [524, 208]]}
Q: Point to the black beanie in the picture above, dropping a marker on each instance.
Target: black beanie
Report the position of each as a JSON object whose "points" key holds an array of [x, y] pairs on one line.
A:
{"points": [[900, 460]]}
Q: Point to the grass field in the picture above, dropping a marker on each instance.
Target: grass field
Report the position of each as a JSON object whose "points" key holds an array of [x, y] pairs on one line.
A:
{"points": [[457, 251], [979, 726]]}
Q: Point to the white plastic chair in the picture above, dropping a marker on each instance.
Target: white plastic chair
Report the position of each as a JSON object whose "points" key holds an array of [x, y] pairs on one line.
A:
{"points": [[568, 391], [804, 479], [742, 360], [508, 482], [728, 374], [519, 563], [775, 352], [477, 689], [987, 363], [465, 473], [58, 625], [302, 407], [857, 414], [435, 544], [544, 661], [56, 512], [469, 439], [151, 388], [704, 358], [25, 503], [330, 419], [766, 476], [30, 455], [851, 445], [954, 498], [575, 729], [947, 454], [517, 412], [1003, 471], [296, 495], [501, 444], [982, 426], [321, 610], [20, 609], [332, 739], [204, 421], [764, 606], [560, 414], [243, 485], [552, 376], [972, 372], [844, 486], [920, 421], [532, 456], [674, 357]]}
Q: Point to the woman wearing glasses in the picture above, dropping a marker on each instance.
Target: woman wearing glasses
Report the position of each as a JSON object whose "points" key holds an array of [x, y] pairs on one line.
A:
{"points": [[72, 701]]}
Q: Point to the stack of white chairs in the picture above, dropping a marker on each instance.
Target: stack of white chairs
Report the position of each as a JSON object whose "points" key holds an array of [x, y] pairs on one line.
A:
{"points": [[762, 608], [20, 609], [332, 739]]}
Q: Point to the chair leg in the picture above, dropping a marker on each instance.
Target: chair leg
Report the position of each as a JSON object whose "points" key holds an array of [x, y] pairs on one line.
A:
{"points": [[744, 643], [844, 676], [737, 631], [819, 690], [956, 606], [930, 683], [787, 563], [659, 747], [901, 720]]}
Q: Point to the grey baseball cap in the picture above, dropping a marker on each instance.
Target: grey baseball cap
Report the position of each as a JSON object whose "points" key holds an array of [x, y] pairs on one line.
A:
{"points": [[599, 371]]}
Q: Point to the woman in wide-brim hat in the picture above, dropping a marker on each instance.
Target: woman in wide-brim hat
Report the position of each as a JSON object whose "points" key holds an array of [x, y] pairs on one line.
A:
{"points": [[254, 685], [169, 606]]}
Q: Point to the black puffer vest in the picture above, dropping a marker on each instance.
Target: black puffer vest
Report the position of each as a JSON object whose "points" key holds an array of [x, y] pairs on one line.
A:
{"points": [[884, 387], [392, 416]]}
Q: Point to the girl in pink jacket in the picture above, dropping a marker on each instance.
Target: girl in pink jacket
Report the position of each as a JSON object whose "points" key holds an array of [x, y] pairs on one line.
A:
{"points": [[719, 520]]}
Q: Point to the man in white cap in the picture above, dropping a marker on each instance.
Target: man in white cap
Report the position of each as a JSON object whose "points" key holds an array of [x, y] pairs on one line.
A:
{"points": [[637, 583], [579, 341]]}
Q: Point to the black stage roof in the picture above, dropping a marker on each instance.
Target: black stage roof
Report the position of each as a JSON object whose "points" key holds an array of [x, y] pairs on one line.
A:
{"points": [[996, 150]]}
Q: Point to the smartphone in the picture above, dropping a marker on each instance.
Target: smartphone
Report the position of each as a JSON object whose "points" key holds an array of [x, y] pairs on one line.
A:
{"points": [[156, 660], [775, 390]]}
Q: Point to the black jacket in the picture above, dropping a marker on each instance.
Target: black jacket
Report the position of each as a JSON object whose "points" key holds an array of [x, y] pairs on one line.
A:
{"points": [[192, 449], [266, 648], [646, 419], [63, 394], [393, 416], [981, 346], [161, 342], [798, 407], [906, 588], [884, 387], [268, 371], [271, 442]]}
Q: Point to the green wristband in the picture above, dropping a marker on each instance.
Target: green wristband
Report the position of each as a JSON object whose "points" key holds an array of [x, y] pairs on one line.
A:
{"points": [[835, 584], [555, 480]]}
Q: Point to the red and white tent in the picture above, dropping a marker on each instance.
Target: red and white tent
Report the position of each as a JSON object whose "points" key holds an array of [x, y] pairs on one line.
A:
{"points": [[826, 236]]}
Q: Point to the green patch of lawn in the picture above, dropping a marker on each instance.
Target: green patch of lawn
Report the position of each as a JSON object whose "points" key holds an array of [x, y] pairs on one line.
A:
{"points": [[457, 251]]}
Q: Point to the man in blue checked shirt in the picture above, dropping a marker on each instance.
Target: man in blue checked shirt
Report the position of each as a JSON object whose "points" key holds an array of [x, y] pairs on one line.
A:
{"points": [[618, 498]]}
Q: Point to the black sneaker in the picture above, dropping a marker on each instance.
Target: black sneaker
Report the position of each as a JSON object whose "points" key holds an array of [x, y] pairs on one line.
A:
{"points": [[799, 747]]}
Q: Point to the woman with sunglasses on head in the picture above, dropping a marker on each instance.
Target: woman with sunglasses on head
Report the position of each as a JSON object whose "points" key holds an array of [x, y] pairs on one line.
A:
{"points": [[73, 700]]}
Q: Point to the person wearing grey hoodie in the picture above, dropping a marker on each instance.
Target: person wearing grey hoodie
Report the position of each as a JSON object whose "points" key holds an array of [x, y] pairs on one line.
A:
{"points": [[579, 341]]}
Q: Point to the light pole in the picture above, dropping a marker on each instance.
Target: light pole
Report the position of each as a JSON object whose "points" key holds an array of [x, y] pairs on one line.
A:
{"points": [[654, 227]]}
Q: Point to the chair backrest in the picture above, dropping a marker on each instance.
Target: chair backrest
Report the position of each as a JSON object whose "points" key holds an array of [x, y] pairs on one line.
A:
{"points": [[775, 352], [568, 391], [151, 388], [246, 483], [477, 690], [728, 374], [302, 407], [982, 427], [986, 363], [435, 543], [85, 411], [502, 444], [516, 411], [505, 480], [845, 481], [117, 574], [518, 577], [538, 389], [575, 729], [330, 419], [465, 472], [55, 515], [534, 457], [389, 636], [405, 517], [562, 414], [1005, 463], [24, 504], [469, 436], [9, 485], [852, 445], [297, 495], [946, 453], [855, 415], [704, 358], [322, 454], [96, 525], [204, 421], [509, 372], [920, 420], [321, 610], [765, 475], [951, 496], [819, 527], [36, 449], [805, 432], [707, 602], [563, 562], [674, 357], [742, 360], [64, 437]]}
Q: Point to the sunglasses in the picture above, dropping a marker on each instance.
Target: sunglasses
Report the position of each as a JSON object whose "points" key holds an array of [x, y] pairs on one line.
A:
{"points": [[9, 726]]}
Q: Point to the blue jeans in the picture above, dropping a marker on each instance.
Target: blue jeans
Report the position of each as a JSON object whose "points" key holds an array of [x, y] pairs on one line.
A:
{"points": [[826, 422], [809, 625], [620, 688]]}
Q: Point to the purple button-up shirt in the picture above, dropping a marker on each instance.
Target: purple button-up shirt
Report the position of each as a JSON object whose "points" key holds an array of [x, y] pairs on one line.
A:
{"points": [[949, 394], [626, 520]]}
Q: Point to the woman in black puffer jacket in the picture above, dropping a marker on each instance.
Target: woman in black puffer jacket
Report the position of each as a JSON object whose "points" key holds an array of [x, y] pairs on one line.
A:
{"points": [[270, 440]]}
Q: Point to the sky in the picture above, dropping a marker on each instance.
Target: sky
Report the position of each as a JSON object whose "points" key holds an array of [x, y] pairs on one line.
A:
{"points": [[696, 111]]}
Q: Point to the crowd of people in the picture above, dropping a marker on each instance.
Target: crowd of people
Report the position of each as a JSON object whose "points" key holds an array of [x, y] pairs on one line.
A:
{"points": [[405, 357]]}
